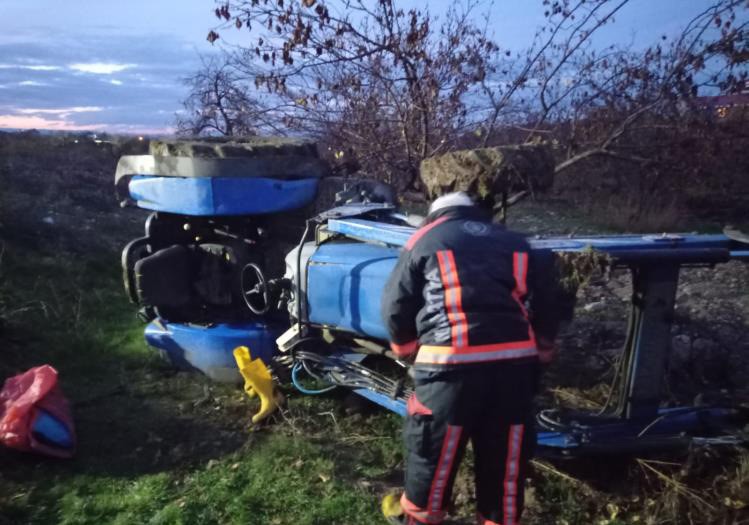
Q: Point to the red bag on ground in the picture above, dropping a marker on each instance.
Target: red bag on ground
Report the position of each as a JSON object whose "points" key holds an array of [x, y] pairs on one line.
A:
{"points": [[34, 414]]}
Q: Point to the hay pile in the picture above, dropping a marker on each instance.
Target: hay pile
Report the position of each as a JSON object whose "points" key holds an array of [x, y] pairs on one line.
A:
{"points": [[487, 173]]}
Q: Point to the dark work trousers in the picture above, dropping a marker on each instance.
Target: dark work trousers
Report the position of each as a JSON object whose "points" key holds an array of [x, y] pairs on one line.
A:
{"points": [[492, 405]]}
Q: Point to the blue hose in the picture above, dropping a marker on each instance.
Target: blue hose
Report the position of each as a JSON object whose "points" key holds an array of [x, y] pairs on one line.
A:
{"points": [[294, 371]]}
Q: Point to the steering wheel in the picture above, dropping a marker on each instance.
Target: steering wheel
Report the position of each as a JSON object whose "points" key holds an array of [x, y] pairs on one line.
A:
{"points": [[255, 289]]}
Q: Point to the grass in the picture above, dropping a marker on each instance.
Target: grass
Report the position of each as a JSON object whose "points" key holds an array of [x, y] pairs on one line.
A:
{"points": [[265, 483], [157, 446], [154, 445]]}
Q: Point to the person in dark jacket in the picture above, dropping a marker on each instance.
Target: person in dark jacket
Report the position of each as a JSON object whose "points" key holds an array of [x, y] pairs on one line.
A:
{"points": [[476, 311]]}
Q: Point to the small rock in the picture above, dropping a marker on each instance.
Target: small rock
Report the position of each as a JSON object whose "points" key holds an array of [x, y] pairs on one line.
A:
{"points": [[531, 499], [728, 334], [681, 348], [595, 307], [703, 345], [594, 363], [178, 452], [611, 354]]}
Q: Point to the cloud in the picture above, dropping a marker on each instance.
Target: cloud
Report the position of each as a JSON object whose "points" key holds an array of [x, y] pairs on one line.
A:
{"points": [[35, 122], [60, 111], [63, 124], [138, 89], [58, 119], [100, 68], [40, 67]]}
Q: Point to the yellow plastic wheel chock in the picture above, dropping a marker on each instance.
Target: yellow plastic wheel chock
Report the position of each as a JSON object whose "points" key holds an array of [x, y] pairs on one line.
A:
{"points": [[257, 382]]}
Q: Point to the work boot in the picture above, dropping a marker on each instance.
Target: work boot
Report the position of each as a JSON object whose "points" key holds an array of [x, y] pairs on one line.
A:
{"points": [[391, 509]]}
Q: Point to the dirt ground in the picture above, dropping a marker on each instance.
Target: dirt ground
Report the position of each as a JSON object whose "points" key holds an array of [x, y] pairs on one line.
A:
{"points": [[160, 446]]}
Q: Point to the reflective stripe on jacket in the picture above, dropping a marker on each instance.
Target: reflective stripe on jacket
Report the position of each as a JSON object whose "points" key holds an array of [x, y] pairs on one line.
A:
{"points": [[459, 290]]}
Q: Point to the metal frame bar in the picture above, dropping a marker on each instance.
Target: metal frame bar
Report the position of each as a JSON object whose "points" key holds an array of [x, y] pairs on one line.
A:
{"points": [[635, 419]]}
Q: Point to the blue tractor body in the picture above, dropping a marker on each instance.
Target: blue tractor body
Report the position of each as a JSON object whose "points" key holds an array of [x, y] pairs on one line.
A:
{"points": [[344, 285], [209, 348], [219, 196], [226, 262]]}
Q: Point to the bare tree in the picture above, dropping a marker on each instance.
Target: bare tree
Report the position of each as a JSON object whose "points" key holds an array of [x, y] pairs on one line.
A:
{"points": [[592, 101], [384, 87], [388, 86], [636, 125], [522, 87], [221, 103]]}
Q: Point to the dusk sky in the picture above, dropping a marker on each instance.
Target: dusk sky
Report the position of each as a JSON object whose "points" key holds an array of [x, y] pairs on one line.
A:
{"points": [[118, 65]]}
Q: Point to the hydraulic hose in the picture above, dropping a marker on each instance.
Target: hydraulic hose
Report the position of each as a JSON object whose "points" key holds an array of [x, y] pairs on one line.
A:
{"points": [[295, 380]]}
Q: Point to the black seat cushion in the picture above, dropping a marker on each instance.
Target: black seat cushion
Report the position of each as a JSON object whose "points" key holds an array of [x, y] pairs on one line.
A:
{"points": [[165, 278]]}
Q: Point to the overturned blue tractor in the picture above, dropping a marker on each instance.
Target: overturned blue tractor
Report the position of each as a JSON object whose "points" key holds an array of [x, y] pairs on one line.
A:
{"points": [[252, 244]]}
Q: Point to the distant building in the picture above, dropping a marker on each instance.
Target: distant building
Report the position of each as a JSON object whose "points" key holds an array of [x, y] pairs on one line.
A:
{"points": [[729, 105]]}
